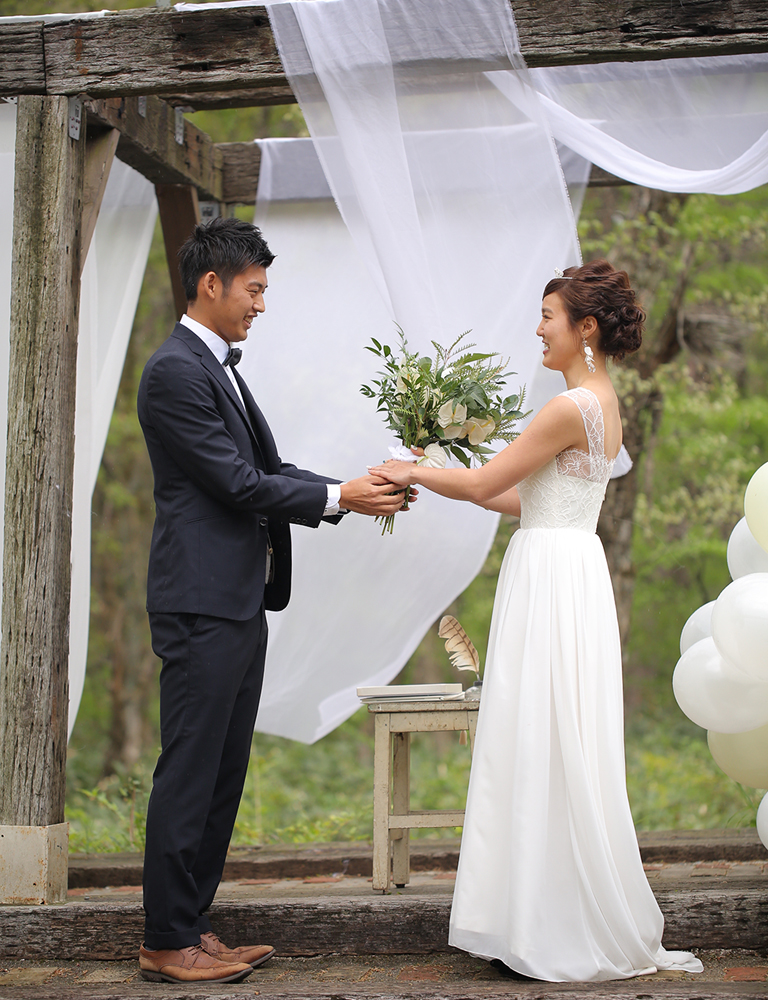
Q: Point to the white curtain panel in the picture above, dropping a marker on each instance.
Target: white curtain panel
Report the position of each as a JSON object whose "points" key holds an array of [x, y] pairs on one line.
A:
{"points": [[456, 213], [109, 293], [111, 282]]}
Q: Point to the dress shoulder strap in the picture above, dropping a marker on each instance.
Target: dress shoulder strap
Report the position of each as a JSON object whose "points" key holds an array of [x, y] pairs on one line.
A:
{"points": [[592, 415]]}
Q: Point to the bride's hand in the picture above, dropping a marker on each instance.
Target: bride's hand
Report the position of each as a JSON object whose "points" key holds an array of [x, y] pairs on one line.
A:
{"points": [[397, 473]]}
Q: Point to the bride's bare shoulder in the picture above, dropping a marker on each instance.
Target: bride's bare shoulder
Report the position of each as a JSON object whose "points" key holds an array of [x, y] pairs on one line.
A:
{"points": [[557, 422]]}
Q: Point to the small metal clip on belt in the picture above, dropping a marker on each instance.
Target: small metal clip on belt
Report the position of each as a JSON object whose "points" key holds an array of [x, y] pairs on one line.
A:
{"points": [[270, 575]]}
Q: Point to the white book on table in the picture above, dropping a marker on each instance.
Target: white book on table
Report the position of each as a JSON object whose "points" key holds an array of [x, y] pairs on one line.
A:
{"points": [[411, 692]]}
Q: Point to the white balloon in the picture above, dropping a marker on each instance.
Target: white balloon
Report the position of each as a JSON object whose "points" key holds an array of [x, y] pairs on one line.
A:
{"points": [[743, 756], [745, 554], [711, 698], [762, 821], [756, 505], [740, 625], [698, 627]]}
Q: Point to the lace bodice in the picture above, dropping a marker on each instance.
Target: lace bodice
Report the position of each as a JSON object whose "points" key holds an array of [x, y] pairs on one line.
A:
{"points": [[568, 492]]}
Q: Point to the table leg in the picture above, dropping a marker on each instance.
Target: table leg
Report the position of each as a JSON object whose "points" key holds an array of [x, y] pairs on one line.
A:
{"points": [[472, 720], [401, 803], [382, 760]]}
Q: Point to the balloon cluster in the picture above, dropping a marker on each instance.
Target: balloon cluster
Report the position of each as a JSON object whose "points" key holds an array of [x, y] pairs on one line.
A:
{"points": [[721, 678]]}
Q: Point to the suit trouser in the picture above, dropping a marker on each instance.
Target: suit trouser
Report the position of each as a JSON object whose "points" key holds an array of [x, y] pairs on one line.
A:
{"points": [[210, 684]]}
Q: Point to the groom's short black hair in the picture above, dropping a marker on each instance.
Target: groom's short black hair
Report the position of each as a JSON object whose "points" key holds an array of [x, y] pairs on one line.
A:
{"points": [[226, 246]]}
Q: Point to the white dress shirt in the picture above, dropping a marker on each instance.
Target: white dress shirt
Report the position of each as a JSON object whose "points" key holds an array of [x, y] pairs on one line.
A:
{"points": [[219, 348]]}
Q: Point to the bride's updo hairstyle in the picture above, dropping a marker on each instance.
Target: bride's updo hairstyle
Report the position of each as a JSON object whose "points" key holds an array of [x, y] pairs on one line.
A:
{"points": [[598, 289]]}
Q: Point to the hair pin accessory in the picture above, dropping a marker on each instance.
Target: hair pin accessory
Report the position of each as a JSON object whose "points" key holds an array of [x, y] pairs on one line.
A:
{"points": [[559, 274]]}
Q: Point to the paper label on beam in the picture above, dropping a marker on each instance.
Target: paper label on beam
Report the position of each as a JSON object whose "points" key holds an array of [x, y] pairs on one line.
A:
{"points": [[179, 126]]}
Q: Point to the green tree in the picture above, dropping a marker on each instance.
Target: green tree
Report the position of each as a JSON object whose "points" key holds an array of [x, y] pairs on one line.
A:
{"points": [[686, 257]]}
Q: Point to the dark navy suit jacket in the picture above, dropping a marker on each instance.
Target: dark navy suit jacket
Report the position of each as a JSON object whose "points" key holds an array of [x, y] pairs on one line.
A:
{"points": [[221, 490]]}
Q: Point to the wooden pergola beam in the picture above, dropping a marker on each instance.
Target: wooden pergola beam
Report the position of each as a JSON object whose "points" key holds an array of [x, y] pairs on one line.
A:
{"points": [[22, 59], [163, 51], [149, 142]]}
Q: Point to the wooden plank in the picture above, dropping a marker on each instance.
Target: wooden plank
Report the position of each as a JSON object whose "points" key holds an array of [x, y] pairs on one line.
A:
{"points": [[359, 925], [163, 51], [148, 143], [22, 62], [430, 722], [387, 705], [427, 819], [247, 97], [45, 292], [601, 178], [99, 153], [159, 51], [592, 31], [472, 720], [401, 803], [179, 214], [382, 762], [240, 164]]}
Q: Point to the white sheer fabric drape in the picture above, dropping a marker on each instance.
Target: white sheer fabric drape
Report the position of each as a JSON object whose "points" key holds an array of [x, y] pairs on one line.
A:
{"points": [[439, 186], [111, 282], [676, 125], [360, 602]]}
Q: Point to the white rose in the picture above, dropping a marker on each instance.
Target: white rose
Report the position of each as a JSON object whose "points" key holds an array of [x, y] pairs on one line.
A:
{"points": [[478, 430], [450, 413], [434, 457]]}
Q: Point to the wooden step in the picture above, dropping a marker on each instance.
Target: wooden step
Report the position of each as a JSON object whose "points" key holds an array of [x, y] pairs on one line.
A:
{"points": [[436, 977], [703, 909], [354, 858]]}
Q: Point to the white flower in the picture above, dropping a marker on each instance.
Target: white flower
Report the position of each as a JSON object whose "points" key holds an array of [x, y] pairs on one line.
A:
{"points": [[478, 430], [434, 457], [451, 413], [405, 372], [453, 431], [401, 454]]}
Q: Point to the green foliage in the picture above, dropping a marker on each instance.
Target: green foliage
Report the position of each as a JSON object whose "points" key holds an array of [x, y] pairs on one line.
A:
{"points": [[674, 784], [111, 817], [710, 441], [9, 8], [453, 400]]}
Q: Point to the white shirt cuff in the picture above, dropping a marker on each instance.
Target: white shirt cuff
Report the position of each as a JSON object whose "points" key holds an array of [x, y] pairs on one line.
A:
{"points": [[332, 503]]}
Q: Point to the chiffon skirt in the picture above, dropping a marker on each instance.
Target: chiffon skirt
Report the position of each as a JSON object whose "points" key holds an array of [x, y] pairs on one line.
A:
{"points": [[550, 879]]}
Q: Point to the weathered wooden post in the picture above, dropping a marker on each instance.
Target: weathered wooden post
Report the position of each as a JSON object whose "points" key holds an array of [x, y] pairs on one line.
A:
{"points": [[34, 651]]}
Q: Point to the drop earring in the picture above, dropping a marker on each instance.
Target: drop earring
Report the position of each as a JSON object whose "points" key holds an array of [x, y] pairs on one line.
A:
{"points": [[588, 356]]}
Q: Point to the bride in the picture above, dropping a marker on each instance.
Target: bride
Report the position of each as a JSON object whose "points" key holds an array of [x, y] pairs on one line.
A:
{"points": [[550, 883]]}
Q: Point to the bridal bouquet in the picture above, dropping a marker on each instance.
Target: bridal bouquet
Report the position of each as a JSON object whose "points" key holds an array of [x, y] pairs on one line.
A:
{"points": [[451, 403]]}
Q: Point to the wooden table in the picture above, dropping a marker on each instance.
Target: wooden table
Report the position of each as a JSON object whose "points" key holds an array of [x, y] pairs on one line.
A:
{"points": [[392, 815]]}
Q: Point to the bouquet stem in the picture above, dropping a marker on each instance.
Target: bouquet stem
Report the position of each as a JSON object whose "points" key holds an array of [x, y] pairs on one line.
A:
{"points": [[388, 523]]}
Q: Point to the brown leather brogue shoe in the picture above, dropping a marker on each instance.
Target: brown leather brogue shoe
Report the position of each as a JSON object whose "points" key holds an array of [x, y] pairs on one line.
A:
{"points": [[253, 955], [189, 965]]}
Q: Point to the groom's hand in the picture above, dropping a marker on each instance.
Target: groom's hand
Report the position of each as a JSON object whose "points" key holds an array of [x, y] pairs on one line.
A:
{"points": [[372, 495]]}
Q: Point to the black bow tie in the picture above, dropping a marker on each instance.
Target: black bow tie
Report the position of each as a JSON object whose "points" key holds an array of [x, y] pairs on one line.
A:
{"points": [[233, 357]]}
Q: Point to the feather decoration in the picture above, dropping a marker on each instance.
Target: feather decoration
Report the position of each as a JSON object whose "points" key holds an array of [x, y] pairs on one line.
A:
{"points": [[458, 645]]}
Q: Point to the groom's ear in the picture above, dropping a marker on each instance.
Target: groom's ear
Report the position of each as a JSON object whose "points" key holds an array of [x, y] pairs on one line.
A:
{"points": [[208, 286]]}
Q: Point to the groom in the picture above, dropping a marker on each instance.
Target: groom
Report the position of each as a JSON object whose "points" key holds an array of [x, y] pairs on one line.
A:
{"points": [[220, 557]]}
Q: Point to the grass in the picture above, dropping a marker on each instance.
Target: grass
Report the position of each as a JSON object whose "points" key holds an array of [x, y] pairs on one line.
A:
{"points": [[296, 793]]}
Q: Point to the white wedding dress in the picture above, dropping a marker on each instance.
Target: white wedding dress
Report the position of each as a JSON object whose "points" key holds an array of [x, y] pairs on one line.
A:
{"points": [[550, 879]]}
